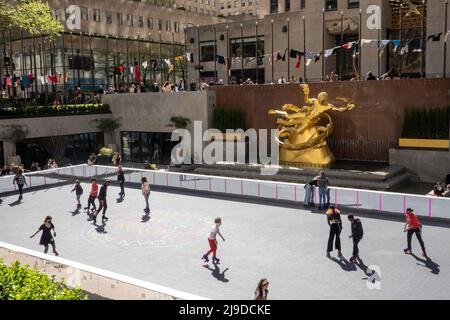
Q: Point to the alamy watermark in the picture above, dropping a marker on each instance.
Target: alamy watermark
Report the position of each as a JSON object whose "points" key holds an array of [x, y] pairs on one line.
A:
{"points": [[73, 20], [209, 147]]}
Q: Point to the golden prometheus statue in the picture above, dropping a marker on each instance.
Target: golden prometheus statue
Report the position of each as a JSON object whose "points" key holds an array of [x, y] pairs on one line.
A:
{"points": [[302, 132]]}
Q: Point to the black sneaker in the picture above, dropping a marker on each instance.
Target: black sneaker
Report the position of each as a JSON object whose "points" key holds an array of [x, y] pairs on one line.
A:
{"points": [[104, 218]]}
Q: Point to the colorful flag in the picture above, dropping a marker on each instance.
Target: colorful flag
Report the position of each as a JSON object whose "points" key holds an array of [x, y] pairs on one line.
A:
{"points": [[435, 37]]}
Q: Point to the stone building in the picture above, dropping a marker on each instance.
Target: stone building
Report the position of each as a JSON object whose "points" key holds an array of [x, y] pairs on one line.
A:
{"points": [[313, 26]]}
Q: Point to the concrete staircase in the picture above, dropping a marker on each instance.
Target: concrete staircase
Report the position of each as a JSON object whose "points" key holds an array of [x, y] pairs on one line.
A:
{"points": [[388, 178]]}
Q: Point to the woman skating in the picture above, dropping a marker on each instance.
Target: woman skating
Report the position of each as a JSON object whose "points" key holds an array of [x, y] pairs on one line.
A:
{"points": [[335, 223], [262, 290], [20, 180], [46, 237], [146, 193]]}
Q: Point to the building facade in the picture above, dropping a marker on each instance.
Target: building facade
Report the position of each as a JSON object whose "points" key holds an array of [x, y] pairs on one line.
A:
{"points": [[311, 28], [113, 40]]}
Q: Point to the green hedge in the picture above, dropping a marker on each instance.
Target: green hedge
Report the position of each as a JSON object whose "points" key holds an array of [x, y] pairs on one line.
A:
{"points": [[423, 123], [228, 119], [66, 109], [22, 283]]}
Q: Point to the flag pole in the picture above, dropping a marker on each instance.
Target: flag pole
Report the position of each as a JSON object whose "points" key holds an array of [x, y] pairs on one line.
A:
{"points": [[256, 52], [422, 73], [360, 46], [149, 66], [117, 75], [242, 54], [173, 57], [215, 54], [342, 43], [272, 59], [288, 50], [445, 39], [81, 56], [323, 44], [304, 49], [379, 42], [228, 56], [107, 62], [198, 51], [92, 61], [401, 37]]}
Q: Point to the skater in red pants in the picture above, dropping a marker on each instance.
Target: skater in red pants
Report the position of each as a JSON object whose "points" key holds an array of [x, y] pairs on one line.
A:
{"points": [[213, 241]]}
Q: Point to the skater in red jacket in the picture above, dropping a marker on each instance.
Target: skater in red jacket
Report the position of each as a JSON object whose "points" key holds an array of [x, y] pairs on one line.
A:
{"points": [[412, 226]]}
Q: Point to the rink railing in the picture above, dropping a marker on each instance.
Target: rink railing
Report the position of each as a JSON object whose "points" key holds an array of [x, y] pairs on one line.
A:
{"points": [[378, 201]]}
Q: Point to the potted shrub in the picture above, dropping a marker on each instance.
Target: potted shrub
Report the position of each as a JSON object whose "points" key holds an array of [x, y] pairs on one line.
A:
{"points": [[104, 156]]}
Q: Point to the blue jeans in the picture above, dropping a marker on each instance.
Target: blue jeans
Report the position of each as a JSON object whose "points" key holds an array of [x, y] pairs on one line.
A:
{"points": [[323, 195], [309, 189]]}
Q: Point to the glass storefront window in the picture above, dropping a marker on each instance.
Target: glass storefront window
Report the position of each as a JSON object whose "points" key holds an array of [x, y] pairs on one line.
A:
{"points": [[71, 149], [154, 147], [248, 45]]}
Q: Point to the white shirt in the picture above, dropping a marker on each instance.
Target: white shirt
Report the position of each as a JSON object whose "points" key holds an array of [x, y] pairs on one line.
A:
{"points": [[145, 188], [214, 231]]}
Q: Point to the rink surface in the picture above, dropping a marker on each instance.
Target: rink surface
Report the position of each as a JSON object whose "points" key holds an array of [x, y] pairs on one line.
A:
{"points": [[285, 245]]}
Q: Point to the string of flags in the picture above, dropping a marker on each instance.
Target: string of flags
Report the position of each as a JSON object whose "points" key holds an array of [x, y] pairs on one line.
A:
{"points": [[310, 56]]}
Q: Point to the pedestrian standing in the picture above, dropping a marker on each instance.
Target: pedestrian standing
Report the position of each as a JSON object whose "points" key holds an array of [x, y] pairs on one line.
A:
{"points": [[92, 196], [78, 192], [309, 193], [322, 182], [335, 222], [103, 203], [356, 236], [145, 186], [262, 290], [213, 241], [46, 237], [20, 180], [121, 180], [413, 226]]}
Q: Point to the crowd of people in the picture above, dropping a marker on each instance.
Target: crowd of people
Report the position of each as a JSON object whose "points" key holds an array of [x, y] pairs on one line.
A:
{"points": [[442, 189]]}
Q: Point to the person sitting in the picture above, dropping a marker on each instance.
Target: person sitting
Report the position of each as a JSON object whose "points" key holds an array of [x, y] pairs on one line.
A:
{"points": [[92, 159], [370, 76], [5, 171], [438, 190]]}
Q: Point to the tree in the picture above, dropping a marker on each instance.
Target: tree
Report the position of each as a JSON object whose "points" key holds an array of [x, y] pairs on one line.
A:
{"points": [[108, 126], [32, 16]]}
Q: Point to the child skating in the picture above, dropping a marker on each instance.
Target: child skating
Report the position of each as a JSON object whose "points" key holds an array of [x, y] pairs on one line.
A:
{"points": [[78, 192], [92, 196], [213, 241]]}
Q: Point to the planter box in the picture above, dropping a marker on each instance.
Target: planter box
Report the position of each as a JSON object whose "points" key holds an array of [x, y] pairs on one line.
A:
{"points": [[423, 143]]}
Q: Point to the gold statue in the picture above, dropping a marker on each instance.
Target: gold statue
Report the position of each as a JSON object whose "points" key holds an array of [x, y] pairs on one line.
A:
{"points": [[303, 132]]}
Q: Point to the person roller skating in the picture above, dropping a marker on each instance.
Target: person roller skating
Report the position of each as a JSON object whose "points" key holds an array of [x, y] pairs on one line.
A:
{"points": [[213, 241]]}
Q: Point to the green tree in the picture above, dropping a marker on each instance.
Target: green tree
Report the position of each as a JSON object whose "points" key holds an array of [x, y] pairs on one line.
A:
{"points": [[22, 283], [32, 16]]}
